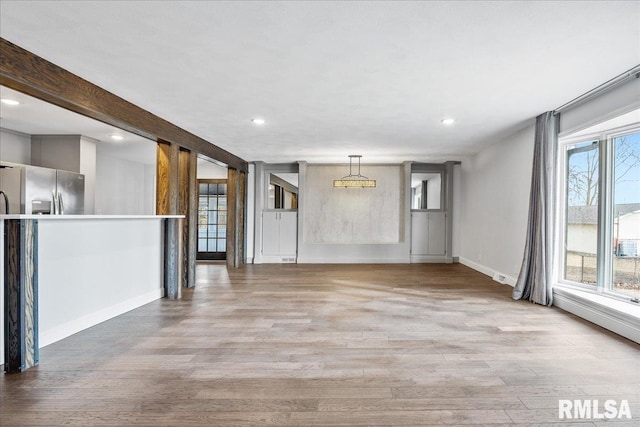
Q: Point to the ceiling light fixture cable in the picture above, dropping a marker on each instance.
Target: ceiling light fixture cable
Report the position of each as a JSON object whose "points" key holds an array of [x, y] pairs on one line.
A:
{"points": [[354, 180]]}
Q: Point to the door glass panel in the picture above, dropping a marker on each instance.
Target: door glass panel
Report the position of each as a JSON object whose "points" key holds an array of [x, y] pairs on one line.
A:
{"points": [[626, 215], [222, 203], [581, 244], [222, 245], [212, 219]]}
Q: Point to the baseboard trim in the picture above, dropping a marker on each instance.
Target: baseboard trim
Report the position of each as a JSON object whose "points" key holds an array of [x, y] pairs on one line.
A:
{"points": [[344, 260], [495, 275], [279, 259], [74, 326], [425, 259]]}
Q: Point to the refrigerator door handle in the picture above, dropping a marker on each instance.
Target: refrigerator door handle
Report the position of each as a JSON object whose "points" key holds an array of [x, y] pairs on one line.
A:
{"points": [[54, 204], [60, 204]]}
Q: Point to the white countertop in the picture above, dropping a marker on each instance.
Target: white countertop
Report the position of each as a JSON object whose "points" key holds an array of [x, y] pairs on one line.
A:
{"points": [[63, 217]]}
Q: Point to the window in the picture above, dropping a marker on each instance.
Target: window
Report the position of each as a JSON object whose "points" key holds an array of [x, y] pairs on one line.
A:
{"points": [[283, 191], [212, 219], [581, 230], [426, 191], [601, 215], [625, 224]]}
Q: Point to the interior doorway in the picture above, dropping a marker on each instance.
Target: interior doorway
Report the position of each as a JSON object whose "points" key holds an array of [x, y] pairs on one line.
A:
{"points": [[212, 210], [212, 219]]}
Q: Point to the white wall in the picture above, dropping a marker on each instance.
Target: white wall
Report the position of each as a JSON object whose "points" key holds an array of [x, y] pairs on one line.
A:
{"points": [[355, 225], [353, 215], [251, 203], [123, 187], [88, 169], [210, 170], [495, 186], [457, 210], [15, 147], [149, 196]]}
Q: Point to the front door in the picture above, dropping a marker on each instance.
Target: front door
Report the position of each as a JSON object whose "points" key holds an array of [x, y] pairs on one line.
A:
{"points": [[212, 219]]}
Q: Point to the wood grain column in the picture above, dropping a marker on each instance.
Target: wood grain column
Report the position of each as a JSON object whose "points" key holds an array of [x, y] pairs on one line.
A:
{"points": [[167, 178], [192, 221], [21, 349], [242, 217], [187, 199], [236, 205], [232, 220], [167, 203]]}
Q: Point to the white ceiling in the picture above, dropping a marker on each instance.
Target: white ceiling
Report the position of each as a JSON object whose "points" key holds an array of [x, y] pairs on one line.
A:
{"points": [[337, 78]]}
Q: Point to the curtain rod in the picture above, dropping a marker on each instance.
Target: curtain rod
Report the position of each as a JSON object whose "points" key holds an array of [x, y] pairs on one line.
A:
{"points": [[632, 73]]}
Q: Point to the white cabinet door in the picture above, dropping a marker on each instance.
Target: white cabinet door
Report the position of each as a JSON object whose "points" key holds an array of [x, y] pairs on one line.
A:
{"points": [[419, 233], [288, 233], [428, 233], [270, 233], [436, 239], [279, 233]]}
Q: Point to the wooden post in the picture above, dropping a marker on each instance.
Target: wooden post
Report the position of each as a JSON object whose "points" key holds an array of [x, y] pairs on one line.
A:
{"points": [[242, 218], [192, 221], [167, 203], [232, 218], [173, 256], [236, 206], [184, 208], [21, 349]]}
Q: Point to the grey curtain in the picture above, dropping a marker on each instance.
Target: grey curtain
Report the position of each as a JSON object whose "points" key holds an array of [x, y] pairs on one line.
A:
{"points": [[534, 280]]}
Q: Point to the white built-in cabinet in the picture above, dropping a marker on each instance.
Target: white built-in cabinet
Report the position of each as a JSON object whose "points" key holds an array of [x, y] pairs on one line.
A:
{"points": [[279, 235], [428, 234]]}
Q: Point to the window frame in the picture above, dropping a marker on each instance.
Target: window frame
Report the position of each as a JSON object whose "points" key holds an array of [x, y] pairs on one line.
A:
{"points": [[606, 163], [275, 169], [430, 168]]}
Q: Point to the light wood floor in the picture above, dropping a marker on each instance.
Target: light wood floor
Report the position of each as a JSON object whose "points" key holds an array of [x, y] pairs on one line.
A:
{"points": [[327, 345]]}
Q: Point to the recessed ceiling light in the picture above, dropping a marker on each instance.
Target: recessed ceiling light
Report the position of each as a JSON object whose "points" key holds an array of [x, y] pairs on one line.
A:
{"points": [[8, 101], [448, 122], [258, 121], [117, 137]]}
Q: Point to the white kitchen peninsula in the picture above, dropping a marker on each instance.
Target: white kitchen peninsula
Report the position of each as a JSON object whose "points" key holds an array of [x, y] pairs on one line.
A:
{"points": [[70, 272]]}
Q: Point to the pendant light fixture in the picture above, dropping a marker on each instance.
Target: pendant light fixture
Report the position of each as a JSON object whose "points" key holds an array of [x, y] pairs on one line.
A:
{"points": [[354, 180]]}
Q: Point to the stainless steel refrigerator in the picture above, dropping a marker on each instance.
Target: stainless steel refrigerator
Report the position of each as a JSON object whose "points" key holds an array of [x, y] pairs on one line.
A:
{"points": [[36, 190]]}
